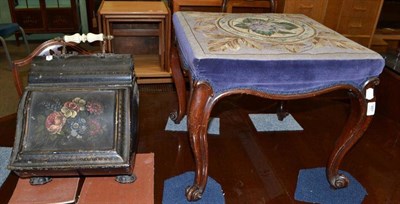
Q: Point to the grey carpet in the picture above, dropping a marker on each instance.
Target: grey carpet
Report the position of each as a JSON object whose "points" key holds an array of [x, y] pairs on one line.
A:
{"points": [[5, 153], [262, 123], [270, 122], [213, 126]]}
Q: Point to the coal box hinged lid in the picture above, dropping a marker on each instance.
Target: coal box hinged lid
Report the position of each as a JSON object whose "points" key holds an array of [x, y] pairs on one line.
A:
{"points": [[77, 128]]}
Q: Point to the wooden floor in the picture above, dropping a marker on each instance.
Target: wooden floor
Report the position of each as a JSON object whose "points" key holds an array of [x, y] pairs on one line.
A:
{"points": [[262, 167]]}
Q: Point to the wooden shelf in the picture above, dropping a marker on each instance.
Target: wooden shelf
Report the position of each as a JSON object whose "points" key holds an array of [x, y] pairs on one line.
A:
{"points": [[386, 40], [149, 66]]}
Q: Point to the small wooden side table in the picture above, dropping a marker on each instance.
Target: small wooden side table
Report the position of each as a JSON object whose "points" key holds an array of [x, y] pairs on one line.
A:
{"points": [[140, 28]]}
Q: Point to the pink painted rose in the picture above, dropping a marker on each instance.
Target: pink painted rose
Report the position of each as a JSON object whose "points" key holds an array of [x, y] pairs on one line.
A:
{"points": [[72, 105], [55, 122]]}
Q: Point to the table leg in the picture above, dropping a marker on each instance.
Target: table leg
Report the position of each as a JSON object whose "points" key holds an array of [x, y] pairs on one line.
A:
{"points": [[282, 111], [355, 127], [179, 81], [199, 113], [201, 103]]}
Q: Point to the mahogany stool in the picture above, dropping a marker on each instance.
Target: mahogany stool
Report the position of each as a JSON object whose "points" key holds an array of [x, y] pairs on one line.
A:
{"points": [[274, 56]]}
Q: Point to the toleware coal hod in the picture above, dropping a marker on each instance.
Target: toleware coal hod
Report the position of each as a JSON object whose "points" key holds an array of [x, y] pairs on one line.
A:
{"points": [[77, 116]]}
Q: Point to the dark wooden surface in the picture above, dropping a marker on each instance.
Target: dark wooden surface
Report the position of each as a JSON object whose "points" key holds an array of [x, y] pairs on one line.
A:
{"points": [[388, 93], [91, 8], [7, 132], [263, 167], [46, 19]]}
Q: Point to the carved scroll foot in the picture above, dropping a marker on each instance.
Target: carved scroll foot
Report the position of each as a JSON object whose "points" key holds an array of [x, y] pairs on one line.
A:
{"points": [[339, 181], [39, 180], [193, 193], [174, 116]]}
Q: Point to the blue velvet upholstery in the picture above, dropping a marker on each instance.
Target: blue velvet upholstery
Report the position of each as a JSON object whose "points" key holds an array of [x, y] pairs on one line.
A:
{"points": [[272, 53]]}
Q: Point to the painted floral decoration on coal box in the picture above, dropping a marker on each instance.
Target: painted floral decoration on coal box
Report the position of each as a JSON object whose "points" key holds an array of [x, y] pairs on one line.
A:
{"points": [[77, 118]]}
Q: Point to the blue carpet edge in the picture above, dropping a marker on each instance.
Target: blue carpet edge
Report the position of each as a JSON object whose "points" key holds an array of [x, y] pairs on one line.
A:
{"points": [[5, 153], [312, 186], [174, 190]]}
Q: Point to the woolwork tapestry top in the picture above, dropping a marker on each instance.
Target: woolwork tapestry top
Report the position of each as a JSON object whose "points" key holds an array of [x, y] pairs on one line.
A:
{"points": [[252, 35], [272, 53]]}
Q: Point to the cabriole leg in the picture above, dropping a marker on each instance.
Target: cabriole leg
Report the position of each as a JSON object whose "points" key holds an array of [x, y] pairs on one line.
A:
{"points": [[362, 111], [179, 81], [198, 116]]}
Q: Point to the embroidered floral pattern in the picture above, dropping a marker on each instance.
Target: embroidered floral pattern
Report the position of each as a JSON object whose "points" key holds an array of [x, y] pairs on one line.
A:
{"points": [[266, 27], [280, 33]]}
